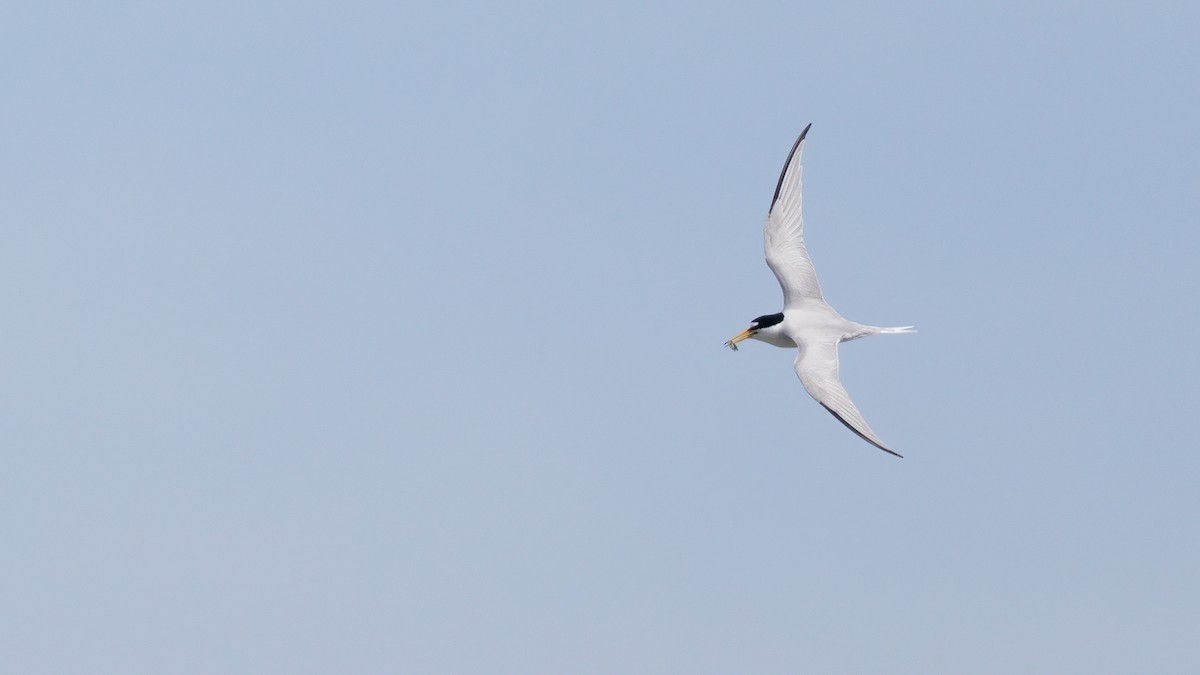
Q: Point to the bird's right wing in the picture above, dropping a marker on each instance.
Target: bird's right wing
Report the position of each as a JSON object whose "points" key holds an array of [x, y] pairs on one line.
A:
{"points": [[817, 368], [783, 235]]}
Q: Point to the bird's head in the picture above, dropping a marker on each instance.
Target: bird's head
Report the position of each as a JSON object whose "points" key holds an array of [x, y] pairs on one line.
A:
{"points": [[766, 322]]}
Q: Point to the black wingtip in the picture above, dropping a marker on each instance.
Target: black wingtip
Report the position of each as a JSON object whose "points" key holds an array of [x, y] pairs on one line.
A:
{"points": [[859, 433], [779, 183]]}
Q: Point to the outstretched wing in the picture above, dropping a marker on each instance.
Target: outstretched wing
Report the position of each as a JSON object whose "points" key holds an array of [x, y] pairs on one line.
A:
{"points": [[783, 235], [817, 368]]}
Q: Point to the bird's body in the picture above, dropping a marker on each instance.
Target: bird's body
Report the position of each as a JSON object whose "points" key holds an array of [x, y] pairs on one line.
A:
{"points": [[807, 323]]}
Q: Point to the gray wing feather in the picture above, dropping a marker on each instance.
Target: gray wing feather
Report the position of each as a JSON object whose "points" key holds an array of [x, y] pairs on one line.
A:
{"points": [[817, 368], [783, 234]]}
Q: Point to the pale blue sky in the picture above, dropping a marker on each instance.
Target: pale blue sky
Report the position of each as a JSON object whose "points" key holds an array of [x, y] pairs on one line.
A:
{"points": [[376, 337]]}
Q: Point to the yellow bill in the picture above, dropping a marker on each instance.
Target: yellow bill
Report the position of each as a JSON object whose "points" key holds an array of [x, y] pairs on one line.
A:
{"points": [[744, 335]]}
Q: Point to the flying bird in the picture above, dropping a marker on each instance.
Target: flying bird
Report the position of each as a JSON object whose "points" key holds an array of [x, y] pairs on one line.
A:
{"points": [[807, 323]]}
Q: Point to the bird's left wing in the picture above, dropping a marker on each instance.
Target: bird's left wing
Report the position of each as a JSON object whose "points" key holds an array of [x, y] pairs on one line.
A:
{"points": [[817, 368], [783, 235]]}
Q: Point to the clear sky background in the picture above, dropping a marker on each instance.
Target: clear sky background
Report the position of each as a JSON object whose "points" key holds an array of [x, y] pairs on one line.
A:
{"points": [[386, 338]]}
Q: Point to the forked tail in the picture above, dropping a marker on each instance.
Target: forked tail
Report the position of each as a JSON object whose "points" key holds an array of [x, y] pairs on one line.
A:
{"points": [[898, 329]]}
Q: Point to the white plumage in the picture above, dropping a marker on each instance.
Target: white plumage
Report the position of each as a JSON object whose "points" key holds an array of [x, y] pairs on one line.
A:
{"points": [[807, 323]]}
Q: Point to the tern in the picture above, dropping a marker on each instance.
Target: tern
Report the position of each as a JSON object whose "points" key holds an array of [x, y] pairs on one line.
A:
{"points": [[807, 323]]}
